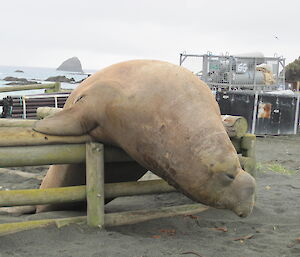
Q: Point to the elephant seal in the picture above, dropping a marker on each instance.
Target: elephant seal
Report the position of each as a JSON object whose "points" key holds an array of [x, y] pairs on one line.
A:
{"points": [[167, 120]]}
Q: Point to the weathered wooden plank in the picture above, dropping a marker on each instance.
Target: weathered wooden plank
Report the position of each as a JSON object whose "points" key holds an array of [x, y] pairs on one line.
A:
{"points": [[157, 186], [237, 144], [95, 184], [43, 112], [248, 164], [248, 145], [132, 217], [236, 126], [10, 228], [27, 87], [18, 156], [111, 219], [42, 196], [78, 193], [16, 123], [15, 136], [41, 155]]}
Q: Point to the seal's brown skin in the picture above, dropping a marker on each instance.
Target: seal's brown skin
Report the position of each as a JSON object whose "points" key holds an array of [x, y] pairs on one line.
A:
{"points": [[165, 118], [74, 174]]}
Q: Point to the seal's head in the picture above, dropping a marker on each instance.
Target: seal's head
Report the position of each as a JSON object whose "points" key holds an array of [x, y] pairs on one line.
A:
{"points": [[166, 119], [225, 185]]}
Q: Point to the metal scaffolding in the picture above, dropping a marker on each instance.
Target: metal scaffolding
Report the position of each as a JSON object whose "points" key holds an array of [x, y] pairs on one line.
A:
{"points": [[254, 72]]}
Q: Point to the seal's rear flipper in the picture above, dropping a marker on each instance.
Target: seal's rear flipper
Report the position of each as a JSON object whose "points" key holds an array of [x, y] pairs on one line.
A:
{"points": [[68, 122], [18, 210]]}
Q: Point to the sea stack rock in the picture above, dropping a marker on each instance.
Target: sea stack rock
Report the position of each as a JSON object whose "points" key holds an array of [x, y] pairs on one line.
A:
{"points": [[72, 64]]}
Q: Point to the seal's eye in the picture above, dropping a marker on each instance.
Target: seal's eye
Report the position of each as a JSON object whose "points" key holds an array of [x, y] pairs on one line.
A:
{"points": [[229, 176], [226, 178], [79, 98]]}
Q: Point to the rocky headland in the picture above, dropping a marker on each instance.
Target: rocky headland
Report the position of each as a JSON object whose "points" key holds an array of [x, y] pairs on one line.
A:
{"points": [[72, 64]]}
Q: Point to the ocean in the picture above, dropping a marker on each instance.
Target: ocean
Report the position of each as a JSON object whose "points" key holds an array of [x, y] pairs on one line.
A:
{"points": [[39, 75]]}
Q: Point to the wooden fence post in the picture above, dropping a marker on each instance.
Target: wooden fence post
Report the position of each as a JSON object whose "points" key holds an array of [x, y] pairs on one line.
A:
{"points": [[248, 144], [95, 184], [56, 88]]}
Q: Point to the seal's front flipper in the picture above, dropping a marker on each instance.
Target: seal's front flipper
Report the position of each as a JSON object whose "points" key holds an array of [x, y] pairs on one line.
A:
{"points": [[69, 122]]}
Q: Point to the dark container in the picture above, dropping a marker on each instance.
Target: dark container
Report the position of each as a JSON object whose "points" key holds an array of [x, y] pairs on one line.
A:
{"points": [[266, 113]]}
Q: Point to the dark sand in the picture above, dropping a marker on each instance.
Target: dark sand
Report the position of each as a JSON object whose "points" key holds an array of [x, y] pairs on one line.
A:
{"points": [[271, 231]]}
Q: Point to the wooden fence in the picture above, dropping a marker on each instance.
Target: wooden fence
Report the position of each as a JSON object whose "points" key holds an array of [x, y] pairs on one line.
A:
{"points": [[21, 146], [29, 148]]}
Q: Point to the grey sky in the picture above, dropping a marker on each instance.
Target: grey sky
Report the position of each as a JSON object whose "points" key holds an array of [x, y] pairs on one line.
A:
{"points": [[45, 33]]}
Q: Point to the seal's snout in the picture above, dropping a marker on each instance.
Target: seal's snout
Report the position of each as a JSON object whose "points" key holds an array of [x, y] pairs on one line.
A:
{"points": [[246, 187], [241, 194]]}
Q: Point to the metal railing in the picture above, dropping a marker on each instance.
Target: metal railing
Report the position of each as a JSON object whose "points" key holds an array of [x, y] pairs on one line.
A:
{"points": [[236, 72]]}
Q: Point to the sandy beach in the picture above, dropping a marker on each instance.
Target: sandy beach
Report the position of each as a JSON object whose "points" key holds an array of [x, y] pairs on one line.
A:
{"points": [[272, 230]]}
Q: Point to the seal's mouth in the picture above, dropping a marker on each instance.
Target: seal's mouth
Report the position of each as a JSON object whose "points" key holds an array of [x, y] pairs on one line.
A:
{"points": [[243, 214], [244, 209]]}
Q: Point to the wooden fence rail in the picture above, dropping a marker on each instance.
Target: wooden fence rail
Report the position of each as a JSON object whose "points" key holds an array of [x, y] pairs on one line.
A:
{"points": [[78, 193], [110, 219], [19, 135], [52, 86]]}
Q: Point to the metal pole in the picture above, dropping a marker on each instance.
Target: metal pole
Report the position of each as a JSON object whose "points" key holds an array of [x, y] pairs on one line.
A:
{"points": [[205, 68], [24, 107], [283, 71], [297, 114], [183, 57], [230, 72], [55, 102], [95, 184], [277, 74], [254, 113], [254, 75]]}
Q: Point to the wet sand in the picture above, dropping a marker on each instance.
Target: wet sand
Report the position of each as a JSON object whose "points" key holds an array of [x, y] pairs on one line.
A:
{"points": [[272, 230]]}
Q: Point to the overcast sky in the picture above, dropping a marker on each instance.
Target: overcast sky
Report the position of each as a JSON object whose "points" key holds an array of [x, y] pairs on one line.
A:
{"points": [[45, 33]]}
